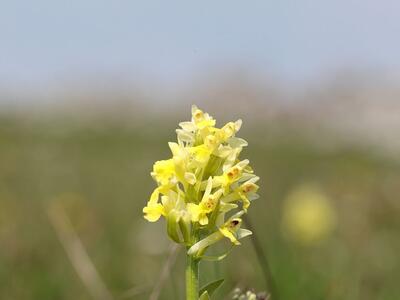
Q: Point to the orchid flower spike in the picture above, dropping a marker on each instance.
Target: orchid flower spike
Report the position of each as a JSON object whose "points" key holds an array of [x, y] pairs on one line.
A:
{"points": [[202, 184]]}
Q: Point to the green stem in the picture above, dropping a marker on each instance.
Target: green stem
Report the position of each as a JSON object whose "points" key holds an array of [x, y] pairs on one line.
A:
{"points": [[192, 278], [192, 263]]}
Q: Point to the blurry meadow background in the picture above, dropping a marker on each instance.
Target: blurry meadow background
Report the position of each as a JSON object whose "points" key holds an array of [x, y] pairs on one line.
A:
{"points": [[79, 134]]}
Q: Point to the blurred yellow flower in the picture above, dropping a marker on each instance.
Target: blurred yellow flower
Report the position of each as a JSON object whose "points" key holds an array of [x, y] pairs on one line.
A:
{"points": [[308, 215]]}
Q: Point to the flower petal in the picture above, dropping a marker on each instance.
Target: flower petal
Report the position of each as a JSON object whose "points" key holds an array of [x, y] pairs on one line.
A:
{"points": [[153, 211], [227, 233]]}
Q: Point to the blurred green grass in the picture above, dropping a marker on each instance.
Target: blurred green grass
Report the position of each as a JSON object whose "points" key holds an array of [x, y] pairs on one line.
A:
{"points": [[99, 173]]}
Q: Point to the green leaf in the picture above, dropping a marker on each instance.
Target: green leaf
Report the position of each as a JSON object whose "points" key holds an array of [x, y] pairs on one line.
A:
{"points": [[210, 288], [205, 296]]}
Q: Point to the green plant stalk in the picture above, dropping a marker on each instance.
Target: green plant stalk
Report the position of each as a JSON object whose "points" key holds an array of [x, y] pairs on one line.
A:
{"points": [[192, 278], [192, 270]]}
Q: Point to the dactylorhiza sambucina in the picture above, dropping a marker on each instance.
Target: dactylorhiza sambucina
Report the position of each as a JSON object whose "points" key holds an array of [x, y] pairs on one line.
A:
{"points": [[204, 188]]}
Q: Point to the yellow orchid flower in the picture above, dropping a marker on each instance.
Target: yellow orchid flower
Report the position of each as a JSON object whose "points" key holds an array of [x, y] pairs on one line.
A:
{"points": [[180, 159], [229, 229], [229, 130], [201, 155], [231, 175], [211, 142], [153, 210], [164, 172], [201, 119], [207, 204], [245, 192]]}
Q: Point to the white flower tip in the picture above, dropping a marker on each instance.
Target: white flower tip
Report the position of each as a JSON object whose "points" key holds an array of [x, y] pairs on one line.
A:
{"points": [[208, 187], [188, 126], [238, 125], [190, 178], [194, 108], [173, 146], [243, 163], [242, 233], [254, 179], [238, 214]]}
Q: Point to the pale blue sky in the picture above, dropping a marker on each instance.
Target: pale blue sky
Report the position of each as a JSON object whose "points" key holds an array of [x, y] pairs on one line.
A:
{"points": [[43, 39]]}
